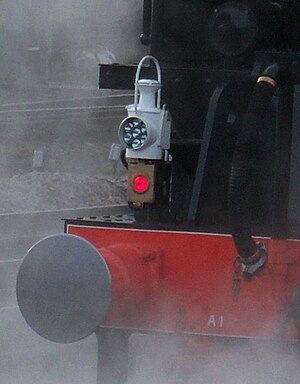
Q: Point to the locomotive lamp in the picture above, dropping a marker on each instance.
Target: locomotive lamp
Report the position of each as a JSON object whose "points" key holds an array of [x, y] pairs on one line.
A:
{"points": [[146, 135], [146, 131]]}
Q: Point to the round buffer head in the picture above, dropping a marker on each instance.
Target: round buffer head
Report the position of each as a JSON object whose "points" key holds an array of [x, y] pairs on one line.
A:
{"points": [[64, 288]]}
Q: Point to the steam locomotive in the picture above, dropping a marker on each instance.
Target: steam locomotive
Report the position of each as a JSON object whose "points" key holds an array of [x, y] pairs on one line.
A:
{"points": [[209, 255]]}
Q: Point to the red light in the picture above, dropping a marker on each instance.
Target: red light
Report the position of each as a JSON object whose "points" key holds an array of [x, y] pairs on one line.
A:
{"points": [[140, 184]]}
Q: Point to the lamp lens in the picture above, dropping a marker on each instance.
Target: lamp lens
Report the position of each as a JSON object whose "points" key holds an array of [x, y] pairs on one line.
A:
{"points": [[140, 184], [133, 133]]}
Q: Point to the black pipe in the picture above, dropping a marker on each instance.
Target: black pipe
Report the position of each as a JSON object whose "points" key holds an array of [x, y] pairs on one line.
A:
{"points": [[147, 21], [242, 175]]}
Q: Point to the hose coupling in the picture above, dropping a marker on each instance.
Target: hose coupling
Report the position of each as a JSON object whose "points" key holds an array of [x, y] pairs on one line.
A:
{"points": [[270, 75], [267, 79], [250, 265]]}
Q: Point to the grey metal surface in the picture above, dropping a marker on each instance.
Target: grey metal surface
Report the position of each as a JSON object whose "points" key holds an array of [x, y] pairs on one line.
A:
{"points": [[64, 288]]}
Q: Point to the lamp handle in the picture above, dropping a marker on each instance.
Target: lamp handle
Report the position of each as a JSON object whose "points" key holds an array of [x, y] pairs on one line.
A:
{"points": [[137, 76]]}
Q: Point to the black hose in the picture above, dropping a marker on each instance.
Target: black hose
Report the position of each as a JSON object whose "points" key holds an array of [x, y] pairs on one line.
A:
{"points": [[242, 175]]}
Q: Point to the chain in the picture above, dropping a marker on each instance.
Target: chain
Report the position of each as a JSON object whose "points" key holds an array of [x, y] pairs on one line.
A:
{"points": [[237, 268]]}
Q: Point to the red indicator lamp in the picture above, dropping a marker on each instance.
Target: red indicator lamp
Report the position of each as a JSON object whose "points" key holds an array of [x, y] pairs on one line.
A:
{"points": [[140, 184]]}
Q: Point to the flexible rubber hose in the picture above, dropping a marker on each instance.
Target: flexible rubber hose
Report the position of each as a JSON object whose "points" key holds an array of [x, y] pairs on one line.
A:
{"points": [[242, 172]]}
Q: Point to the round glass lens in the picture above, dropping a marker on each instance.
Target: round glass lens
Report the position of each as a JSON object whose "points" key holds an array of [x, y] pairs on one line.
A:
{"points": [[140, 184], [133, 133]]}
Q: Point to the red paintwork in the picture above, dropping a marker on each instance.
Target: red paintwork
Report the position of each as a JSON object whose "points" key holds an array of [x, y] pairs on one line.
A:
{"points": [[190, 283]]}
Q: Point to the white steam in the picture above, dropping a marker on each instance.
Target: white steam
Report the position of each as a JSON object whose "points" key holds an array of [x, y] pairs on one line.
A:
{"points": [[51, 50]]}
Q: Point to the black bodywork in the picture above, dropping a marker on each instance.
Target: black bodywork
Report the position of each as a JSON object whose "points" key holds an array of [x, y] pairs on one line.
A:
{"points": [[212, 53]]}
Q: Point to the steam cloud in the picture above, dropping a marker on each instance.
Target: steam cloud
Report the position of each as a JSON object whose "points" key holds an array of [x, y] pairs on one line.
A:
{"points": [[63, 42], [50, 50]]}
